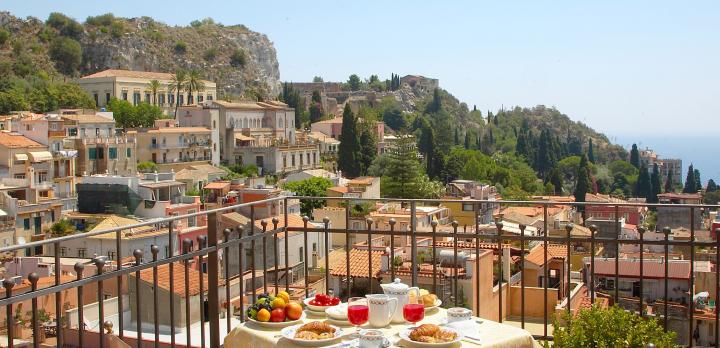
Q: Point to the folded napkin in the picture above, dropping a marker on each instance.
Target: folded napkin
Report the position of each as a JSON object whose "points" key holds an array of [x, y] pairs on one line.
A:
{"points": [[469, 328]]}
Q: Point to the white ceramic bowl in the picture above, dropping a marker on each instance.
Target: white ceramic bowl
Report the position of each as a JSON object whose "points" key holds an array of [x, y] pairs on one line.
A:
{"points": [[405, 335], [314, 308], [289, 334]]}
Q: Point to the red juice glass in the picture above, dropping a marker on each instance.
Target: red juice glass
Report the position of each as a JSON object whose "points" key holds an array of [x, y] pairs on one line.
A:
{"points": [[358, 312], [414, 310]]}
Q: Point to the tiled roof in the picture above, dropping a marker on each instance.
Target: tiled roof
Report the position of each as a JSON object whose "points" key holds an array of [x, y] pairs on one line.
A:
{"points": [[134, 74], [240, 105], [340, 189], [358, 263], [114, 221], [16, 140], [363, 180], [92, 118], [294, 220], [554, 251], [651, 268], [235, 218], [178, 279], [184, 130], [679, 196]]}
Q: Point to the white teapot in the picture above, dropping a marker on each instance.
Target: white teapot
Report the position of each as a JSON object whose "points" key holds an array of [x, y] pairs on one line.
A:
{"points": [[401, 292]]}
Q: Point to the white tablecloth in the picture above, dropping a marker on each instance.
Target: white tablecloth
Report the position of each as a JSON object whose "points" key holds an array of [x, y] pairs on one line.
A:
{"points": [[493, 334]]}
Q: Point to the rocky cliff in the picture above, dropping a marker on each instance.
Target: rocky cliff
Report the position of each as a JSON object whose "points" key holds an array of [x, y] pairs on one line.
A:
{"points": [[239, 60]]}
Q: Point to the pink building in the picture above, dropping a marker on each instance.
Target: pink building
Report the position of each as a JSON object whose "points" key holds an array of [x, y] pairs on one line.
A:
{"points": [[333, 128]]}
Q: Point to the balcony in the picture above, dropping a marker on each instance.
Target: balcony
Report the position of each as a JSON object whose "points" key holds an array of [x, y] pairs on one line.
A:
{"points": [[502, 274]]}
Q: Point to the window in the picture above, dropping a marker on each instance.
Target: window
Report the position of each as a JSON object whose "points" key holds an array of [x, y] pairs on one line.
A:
{"points": [[42, 176], [136, 98], [129, 153], [167, 251], [111, 255], [192, 221], [26, 223], [181, 99], [97, 132], [199, 98], [81, 252], [171, 98], [63, 251], [161, 99], [101, 153], [292, 160], [610, 284], [302, 255], [19, 176], [468, 207], [301, 159], [209, 97], [314, 247], [307, 156], [72, 132], [314, 157], [95, 96], [147, 97], [44, 194], [107, 98], [284, 161], [54, 126], [112, 153], [124, 95], [92, 153]]}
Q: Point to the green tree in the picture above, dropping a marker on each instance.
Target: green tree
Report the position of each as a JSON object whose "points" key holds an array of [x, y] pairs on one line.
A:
{"points": [[291, 97], [354, 82], [555, 179], [669, 184], [436, 103], [146, 167], [635, 156], [655, 184], [698, 181], [194, 83], [67, 54], [597, 327], [316, 112], [473, 170], [313, 187], [154, 86], [711, 186], [177, 84], [4, 37], [368, 147], [690, 184], [12, 100], [65, 25], [146, 115], [582, 184], [643, 187], [128, 116], [403, 176], [317, 79], [348, 151], [238, 58], [591, 152], [62, 228], [394, 118]]}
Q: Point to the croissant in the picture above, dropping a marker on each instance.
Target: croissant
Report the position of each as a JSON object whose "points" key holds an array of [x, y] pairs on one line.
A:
{"points": [[445, 336], [306, 335], [317, 327], [424, 330]]}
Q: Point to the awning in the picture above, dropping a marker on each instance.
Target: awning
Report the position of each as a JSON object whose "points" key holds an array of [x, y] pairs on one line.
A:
{"points": [[241, 137], [40, 156], [21, 157]]}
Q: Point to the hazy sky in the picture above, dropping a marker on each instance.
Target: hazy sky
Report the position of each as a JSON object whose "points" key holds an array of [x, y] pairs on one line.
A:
{"points": [[624, 68]]}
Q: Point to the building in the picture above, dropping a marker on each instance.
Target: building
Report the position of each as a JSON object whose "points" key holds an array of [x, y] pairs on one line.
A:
{"points": [[336, 179], [133, 86], [168, 144], [536, 267], [631, 214], [464, 212], [679, 216], [667, 166], [421, 82], [333, 128], [100, 150]]}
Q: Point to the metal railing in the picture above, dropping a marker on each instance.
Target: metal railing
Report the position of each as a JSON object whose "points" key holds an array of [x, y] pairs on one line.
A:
{"points": [[257, 248]]}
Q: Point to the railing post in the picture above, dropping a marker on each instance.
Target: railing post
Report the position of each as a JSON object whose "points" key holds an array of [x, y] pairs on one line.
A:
{"points": [[369, 223], [8, 285], [226, 259], [568, 230], [154, 249], [138, 254], [275, 222], [326, 224], [79, 269], [641, 231], [593, 230], [433, 225], [666, 232], [392, 223], [522, 275], [499, 226], [455, 262], [100, 264], [413, 247], [33, 278]]}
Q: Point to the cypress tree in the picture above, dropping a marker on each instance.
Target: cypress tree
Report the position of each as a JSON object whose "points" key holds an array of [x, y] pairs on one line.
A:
{"points": [[635, 156], [711, 186], [555, 178], [368, 148], [457, 137], [643, 187], [690, 185], [468, 140], [582, 184], [669, 184], [698, 182], [349, 148], [655, 184], [591, 153]]}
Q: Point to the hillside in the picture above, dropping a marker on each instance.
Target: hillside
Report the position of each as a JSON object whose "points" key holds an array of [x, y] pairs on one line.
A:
{"points": [[239, 60]]}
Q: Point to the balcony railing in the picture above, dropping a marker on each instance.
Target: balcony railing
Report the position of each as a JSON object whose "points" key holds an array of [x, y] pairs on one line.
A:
{"points": [[225, 257]]}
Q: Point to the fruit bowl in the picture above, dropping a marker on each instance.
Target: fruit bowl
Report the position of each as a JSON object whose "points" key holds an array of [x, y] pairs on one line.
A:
{"points": [[320, 303], [277, 324]]}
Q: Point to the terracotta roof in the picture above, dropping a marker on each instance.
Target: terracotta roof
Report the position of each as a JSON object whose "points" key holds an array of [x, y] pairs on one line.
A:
{"points": [[240, 105], [294, 220], [92, 118], [358, 263], [363, 180], [114, 221], [235, 218], [340, 189], [218, 185], [134, 74], [591, 197], [519, 218], [651, 268], [17, 140], [178, 279], [554, 251], [679, 196]]}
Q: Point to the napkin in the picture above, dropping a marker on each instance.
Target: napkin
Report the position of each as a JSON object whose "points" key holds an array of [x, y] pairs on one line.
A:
{"points": [[469, 328]]}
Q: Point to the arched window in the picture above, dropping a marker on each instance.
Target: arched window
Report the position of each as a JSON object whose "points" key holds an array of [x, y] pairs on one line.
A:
{"points": [[245, 123]]}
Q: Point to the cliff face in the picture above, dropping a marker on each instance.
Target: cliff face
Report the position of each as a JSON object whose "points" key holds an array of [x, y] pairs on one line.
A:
{"points": [[239, 60]]}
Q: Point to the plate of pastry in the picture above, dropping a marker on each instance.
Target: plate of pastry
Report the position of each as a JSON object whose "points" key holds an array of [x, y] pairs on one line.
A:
{"points": [[312, 334], [431, 336]]}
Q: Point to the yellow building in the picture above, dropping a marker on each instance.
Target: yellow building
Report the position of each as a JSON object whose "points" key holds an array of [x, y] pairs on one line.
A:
{"points": [[461, 211], [166, 143], [133, 86]]}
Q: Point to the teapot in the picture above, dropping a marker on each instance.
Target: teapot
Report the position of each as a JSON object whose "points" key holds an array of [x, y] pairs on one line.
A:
{"points": [[401, 292]]}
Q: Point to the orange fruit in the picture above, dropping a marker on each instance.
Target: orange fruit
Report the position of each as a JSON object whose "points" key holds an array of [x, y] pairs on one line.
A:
{"points": [[278, 302], [293, 311], [263, 315]]}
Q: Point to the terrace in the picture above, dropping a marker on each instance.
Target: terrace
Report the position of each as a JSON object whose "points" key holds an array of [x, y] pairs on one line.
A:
{"points": [[208, 283]]}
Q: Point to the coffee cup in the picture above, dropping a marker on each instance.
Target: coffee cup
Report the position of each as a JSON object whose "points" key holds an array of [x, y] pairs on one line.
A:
{"points": [[456, 314], [371, 339]]}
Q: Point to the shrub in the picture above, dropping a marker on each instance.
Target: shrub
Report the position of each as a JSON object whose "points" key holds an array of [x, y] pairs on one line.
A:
{"points": [[238, 58], [180, 47], [117, 29], [67, 54], [613, 327], [4, 36], [146, 167], [210, 54], [65, 25], [62, 228], [101, 20]]}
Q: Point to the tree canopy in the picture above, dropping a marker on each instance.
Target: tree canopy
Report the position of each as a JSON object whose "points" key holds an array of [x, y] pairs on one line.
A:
{"points": [[312, 187]]}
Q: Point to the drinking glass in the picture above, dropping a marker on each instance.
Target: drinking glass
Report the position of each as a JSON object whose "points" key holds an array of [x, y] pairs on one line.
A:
{"points": [[414, 310], [358, 313]]}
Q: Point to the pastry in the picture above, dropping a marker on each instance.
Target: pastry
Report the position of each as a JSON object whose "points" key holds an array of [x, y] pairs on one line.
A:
{"points": [[445, 336], [428, 330], [317, 327], [429, 300], [306, 335]]}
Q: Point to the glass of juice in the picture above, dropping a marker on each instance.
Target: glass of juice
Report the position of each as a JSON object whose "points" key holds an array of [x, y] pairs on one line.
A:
{"points": [[414, 310], [358, 313]]}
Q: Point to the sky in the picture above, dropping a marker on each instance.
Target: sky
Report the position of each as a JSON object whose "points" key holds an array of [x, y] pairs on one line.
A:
{"points": [[640, 69]]}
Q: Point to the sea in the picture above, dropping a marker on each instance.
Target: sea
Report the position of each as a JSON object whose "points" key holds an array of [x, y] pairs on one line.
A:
{"points": [[701, 151]]}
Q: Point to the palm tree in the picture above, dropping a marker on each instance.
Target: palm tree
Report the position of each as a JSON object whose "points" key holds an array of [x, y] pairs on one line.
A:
{"points": [[194, 83], [177, 83], [154, 86]]}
